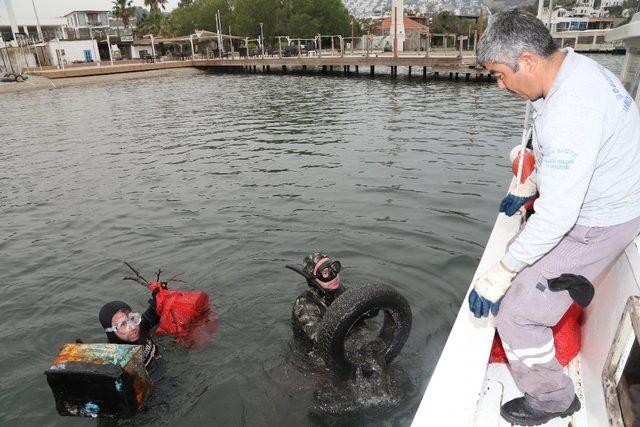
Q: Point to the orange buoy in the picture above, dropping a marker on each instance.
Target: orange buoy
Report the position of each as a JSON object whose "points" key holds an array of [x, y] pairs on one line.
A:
{"points": [[528, 166]]}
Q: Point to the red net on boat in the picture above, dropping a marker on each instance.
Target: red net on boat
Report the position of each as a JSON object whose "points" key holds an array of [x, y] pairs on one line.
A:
{"points": [[186, 315], [566, 337]]}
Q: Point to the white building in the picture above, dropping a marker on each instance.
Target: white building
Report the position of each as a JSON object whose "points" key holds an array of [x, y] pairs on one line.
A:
{"points": [[610, 3], [584, 8], [51, 28], [85, 23], [72, 51]]}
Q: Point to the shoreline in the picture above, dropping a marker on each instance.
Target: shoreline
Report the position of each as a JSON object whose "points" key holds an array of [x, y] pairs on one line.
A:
{"points": [[35, 82]]}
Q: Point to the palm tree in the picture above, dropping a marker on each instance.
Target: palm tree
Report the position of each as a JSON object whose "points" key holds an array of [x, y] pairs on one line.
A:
{"points": [[155, 5], [124, 10]]}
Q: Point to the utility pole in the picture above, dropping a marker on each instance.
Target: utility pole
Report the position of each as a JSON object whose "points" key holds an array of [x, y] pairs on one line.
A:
{"points": [[353, 39], [218, 30], [12, 21], [109, 47], [231, 43], [153, 46], [40, 36], [93, 44], [262, 38], [540, 9], [395, 32]]}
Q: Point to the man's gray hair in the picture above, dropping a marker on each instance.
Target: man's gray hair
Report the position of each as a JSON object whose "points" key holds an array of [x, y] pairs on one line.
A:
{"points": [[510, 34]]}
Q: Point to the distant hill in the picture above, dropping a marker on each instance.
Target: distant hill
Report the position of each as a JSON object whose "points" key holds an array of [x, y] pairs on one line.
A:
{"points": [[364, 8]]}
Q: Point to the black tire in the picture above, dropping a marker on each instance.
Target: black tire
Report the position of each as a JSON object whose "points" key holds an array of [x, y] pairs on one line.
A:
{"points": [[352, 307], [19, 78], [12, 76]]}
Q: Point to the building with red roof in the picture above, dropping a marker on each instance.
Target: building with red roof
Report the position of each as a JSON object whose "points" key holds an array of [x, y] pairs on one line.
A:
{"points": [[414, 32]]}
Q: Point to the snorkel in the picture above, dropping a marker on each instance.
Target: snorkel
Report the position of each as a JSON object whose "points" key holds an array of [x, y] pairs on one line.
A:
{"points": [[310, 280]]}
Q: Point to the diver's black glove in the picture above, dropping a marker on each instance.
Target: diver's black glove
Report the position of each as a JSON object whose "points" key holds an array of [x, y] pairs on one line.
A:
{"points": [[151, 314], [152, 301], [579, 287]]}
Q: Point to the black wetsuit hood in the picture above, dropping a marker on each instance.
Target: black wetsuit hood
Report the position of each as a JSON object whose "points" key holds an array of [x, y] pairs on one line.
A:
{"points": [[106, 314]]}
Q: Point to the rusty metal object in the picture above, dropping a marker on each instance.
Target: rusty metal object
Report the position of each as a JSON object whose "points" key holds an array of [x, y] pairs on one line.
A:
{"points": [[99, 380]]}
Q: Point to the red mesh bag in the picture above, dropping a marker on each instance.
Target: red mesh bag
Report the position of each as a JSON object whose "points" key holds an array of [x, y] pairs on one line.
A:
{"points": [[179, 311], [566, 337]]}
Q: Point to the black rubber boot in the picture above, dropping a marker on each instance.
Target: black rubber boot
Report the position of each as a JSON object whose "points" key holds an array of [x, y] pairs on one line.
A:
{"points": [[518, 412]]}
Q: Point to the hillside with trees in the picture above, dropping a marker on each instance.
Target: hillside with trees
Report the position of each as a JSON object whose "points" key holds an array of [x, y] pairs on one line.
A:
{"points": [[279, 17]]}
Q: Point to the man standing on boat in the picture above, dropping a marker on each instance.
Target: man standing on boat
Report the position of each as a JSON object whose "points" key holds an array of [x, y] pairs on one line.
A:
{"points": [[586, 139]]}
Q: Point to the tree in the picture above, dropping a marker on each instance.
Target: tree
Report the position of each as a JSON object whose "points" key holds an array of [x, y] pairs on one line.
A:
{"points": [[295, 18], [615, 11], [200, 15], [156, 23], [124, 10], [155, 5], [531, 8], [632, 5], [445, 22]]}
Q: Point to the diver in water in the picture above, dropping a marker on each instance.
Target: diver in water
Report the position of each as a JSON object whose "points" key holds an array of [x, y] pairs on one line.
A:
{"points": [[323, 279], [123, 326]]}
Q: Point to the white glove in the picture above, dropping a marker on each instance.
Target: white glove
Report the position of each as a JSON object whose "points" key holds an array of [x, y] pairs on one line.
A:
{"points": [[493, 284]]}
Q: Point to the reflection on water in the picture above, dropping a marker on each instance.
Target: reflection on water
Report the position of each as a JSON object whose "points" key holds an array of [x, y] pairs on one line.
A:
{"points": [[227, 178]]}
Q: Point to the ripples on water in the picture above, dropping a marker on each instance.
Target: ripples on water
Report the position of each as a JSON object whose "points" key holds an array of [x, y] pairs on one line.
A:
{"points": [[227, 178]]}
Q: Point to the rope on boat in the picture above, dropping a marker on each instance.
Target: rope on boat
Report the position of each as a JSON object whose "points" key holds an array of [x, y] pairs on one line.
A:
{"points": [[526, 133]]}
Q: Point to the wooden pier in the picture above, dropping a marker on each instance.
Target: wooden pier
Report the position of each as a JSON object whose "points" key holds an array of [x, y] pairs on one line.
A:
{"points": [[452, 67]]}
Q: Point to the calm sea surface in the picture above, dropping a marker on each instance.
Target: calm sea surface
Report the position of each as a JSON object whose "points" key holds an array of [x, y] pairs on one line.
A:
{"points": [[227, 178]]}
